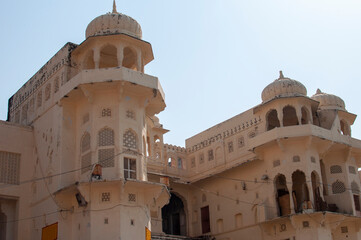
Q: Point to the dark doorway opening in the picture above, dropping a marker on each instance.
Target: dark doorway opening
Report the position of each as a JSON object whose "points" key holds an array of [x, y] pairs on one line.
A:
{"points": [[206, 224], [174, 218]]}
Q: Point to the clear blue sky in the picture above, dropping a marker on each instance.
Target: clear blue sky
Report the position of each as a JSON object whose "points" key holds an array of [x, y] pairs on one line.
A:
{"points": [[213, 57]]}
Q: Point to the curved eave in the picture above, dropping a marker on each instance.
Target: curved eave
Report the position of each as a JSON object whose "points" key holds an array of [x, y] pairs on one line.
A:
{"points": [[145, 46], [314, 103]]}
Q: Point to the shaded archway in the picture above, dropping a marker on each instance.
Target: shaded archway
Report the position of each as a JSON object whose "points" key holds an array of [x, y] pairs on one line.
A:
{"points": [[282, 195], [324, 178], [174, 217], [289, 116], [315, 179], [272, 120], [108, 57], [305, 116], [129, 58], [345, 129], [300, 193]]}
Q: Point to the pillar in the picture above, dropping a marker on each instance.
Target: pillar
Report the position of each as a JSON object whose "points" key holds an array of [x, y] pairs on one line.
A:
{"points": [[299, 115], [120, 54], [96, 57], [289, 187], [280, 116]]}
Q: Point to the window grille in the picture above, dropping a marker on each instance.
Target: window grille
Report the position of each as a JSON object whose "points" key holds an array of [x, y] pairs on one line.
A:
{"points": [[354, 188], [132, 197], [106, 137], [106, 112], [352, 169], [336, 169], [47, 91], [106, 197], [240, 142], [230, 147], [130, 140], [338, 187], [106, 157], [130, 168], [296, 158], [9, 167], [130, 114], [210, 155]]}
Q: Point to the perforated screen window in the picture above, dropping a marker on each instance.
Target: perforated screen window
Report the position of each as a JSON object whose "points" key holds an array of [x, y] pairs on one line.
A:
{"points": [[130, 140], [335, 169], [9, 167], [106, 137], [106, 157], [338, 187]]}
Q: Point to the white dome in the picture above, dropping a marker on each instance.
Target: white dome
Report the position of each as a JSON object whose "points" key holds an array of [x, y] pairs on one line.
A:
{"points": [[328, 101], [113, 23], [283, 87]]}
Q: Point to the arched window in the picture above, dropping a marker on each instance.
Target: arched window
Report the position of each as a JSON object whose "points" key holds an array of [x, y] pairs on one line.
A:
{"points": [[289, 116], [130, 139], [305, 116], [338, 187], [272, 120], [345, 128], [180, 163], [108, 57], [85, 153], [282, 195], [106, 147], [129, 58]]}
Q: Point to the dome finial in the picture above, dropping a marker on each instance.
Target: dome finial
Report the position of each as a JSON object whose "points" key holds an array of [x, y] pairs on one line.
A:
{"points": [[281, 75], [114, 7]]}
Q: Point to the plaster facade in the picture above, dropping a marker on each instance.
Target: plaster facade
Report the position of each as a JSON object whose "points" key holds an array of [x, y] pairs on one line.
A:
{"points": [[82, 154]]}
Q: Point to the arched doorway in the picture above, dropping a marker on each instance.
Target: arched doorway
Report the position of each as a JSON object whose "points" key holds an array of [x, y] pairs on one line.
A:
{"points": [[174, 217], [299, 190], [282, 195]]}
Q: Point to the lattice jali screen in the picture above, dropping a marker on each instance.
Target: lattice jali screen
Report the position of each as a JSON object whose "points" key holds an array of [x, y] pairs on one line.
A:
{"points": [[106, 157], [352, 169], [9, 167], [338, 187], [85, 142], [335, 169], [129, 140], [106, 137], [86, 162]]}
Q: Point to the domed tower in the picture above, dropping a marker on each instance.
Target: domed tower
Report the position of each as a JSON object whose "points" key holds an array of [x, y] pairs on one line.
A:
{"points": [[286, 103], [332, 112], [109, 125]]}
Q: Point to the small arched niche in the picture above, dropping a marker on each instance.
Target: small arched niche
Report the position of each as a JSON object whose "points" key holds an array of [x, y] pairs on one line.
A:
{"points": [[108, 57], [289, 116], [272, 120], [129, 58], [89, 60], [345, 128]]}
